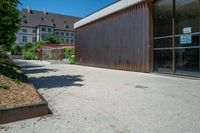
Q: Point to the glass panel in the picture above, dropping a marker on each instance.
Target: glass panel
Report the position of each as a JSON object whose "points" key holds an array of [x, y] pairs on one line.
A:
{"points": [[163, 61], [191, 40], [187, 16], [163, 43], [163, 10], [187, 38], [187, 61]]}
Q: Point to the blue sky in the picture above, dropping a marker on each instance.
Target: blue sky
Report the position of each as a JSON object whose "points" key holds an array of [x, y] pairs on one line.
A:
{"points": [[79, 8]]}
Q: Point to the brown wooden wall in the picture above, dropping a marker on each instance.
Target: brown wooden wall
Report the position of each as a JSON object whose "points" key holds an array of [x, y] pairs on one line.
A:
{"points": [[119, 41]]}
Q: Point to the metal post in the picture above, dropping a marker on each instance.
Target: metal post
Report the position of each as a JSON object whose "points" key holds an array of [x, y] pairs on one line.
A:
{"points": [[40, 54], [173, 41]]}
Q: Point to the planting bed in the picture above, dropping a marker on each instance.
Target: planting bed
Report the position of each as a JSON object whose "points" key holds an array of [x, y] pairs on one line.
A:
{"points": [[18, 98]]}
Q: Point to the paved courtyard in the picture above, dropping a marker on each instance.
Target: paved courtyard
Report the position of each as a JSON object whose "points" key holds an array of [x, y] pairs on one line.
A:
{"points": [[94, 100]]}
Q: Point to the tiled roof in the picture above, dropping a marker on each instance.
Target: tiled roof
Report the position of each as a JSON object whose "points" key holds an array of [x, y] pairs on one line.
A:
{"points": [[39, 18]]}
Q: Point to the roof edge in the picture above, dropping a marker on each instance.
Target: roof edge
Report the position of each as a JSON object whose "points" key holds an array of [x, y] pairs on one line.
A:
{"points": [[108, 10]]}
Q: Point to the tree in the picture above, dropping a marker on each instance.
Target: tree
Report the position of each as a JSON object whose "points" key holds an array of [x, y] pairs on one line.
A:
{"points": [[9, 21], [52, 39]]}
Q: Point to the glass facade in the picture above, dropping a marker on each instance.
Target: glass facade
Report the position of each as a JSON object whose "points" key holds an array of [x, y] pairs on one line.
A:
{"points": [[177, 37]]}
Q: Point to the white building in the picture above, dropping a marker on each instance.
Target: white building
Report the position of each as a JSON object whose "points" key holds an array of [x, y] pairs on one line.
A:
{"points": [[36, 25]]}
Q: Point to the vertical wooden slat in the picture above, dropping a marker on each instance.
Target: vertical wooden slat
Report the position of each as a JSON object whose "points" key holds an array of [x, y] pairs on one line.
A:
{"points": [[117, 41]]}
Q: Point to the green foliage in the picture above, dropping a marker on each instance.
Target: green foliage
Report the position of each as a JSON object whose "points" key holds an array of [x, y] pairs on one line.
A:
{"points": [[10, 69], [70, 55], [4, 86], [52, 39], [31, 51], [30, 56], [16, 49], [36, 46], [3, 55], [9, 21], [27, 46], [3, 48], [72, 59]]}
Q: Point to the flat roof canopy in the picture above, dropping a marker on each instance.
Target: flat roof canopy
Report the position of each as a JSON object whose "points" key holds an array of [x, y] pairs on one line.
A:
{"points": [[120, 5]]}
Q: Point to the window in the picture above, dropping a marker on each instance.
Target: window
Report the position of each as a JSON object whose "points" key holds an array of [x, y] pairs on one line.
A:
{"points": [[34, 31], [67, 34], [71, 34], [24, 30], [49, 29], [57, 33], [66, 26], [43, 37], [62, 40], [72, 41], [62, 33], [24, 39], [67, 41], [44, 29], [34, 39]]}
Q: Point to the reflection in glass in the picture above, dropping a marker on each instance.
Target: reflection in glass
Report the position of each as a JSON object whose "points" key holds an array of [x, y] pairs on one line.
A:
{"points": [[194, 41], [187, 36], [187, 61], [163, 61], [163, 10], [163, 43], [187, 15]]}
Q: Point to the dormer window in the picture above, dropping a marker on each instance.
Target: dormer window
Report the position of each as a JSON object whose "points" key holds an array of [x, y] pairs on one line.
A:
{"points": [[52, 20], [66, 26], [42, 18]]}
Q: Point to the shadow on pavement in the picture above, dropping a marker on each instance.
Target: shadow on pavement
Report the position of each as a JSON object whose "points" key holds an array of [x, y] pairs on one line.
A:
{"points": [[30, 66], [57, 81], [41, 70]]}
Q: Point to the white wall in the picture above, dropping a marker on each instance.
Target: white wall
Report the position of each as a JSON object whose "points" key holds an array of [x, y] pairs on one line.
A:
{"points": [[60, 37], [29, 34], [39, 33]]}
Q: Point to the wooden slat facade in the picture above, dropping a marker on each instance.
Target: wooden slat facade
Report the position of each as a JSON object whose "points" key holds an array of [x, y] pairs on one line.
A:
{"points": [[119, 41]]}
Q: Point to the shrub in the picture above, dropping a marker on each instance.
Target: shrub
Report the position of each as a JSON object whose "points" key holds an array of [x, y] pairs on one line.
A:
{"points": [[52, 39], [70, 55], [31, 51], [30, 56], [36, 46], [27, 46], [16, 50], [10, 69], [71, 59]]}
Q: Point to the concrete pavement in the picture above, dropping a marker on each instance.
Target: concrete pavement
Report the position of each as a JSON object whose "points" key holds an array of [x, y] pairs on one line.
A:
{"points": [[94, 100]]}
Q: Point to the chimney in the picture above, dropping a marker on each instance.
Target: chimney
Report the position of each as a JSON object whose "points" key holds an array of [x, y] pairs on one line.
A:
{"points": [[45, 12], [29, 9]]}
